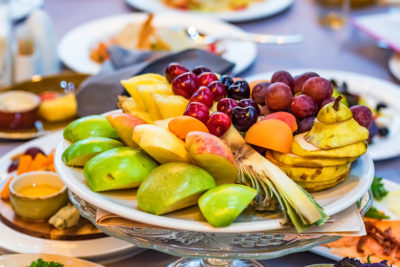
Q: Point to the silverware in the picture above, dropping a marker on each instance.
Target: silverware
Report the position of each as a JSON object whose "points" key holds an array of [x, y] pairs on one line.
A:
{"points": [[202, 38]]}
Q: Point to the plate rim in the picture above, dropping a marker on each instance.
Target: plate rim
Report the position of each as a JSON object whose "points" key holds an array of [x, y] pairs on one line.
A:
{"points": [[231, 16], [68, 37]]}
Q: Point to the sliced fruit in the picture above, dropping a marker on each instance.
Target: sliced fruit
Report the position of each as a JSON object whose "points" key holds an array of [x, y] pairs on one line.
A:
{"points": [[221, 205], [59, 108], [160, 143], [318, 186], [298, 161], [286, 117], [124, 124], [272, 134], [145, 91], [393, 200], [89, 126], [183, 125], [214, 155], [302, 148], [170, 106], [82, 151], [163, 123], [118, 168], [173, 186]]}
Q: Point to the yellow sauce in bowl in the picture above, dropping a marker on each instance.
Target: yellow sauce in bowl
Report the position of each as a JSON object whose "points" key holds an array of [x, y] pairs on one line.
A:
{"points": [[38, 190]]}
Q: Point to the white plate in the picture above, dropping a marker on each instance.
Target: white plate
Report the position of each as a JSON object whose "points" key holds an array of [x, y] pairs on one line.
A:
{"points": [[374, 90], [74, 47], [100, 249], [19, 260], [124, 204], [380, 205], [394, 65], [255, 11]]}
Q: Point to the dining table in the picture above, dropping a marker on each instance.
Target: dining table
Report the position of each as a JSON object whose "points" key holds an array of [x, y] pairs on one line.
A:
{"points": [[346, 49]]}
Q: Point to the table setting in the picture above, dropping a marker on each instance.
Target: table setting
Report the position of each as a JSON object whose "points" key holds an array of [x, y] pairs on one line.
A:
{"points": [[199, 133]]}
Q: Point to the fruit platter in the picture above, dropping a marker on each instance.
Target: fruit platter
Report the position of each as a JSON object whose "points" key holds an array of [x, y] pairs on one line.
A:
{"points": [[196, 152]]}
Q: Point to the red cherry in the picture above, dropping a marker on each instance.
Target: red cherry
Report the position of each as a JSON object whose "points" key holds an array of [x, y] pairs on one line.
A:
{"points": [[203, 95], [173, 70], [218, 123], [185, 84], [206, 78], [226, 105], [200, 69], [249, 102], [218, 89], [197, 110]]}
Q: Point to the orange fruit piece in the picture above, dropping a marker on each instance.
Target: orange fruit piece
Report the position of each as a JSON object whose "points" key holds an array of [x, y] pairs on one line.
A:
{"points": [[286, 117], [272, 134], [183, 125]]}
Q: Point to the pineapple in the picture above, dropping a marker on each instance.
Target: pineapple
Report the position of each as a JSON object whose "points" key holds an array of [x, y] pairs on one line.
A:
{"points": [[170, 106], [145, 92]]}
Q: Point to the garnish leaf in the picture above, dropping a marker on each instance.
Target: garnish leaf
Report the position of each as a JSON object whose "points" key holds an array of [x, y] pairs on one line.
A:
{"points": [[374, 213], [378, 189]]}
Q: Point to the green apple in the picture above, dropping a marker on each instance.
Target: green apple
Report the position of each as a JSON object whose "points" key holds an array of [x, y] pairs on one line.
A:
{"points": [[173, 186], [82, 151], [89, 126], [221, 205], [118, 168]]}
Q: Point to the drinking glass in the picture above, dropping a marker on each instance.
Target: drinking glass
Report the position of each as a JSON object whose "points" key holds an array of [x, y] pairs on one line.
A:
{"points": [[333, 13]]}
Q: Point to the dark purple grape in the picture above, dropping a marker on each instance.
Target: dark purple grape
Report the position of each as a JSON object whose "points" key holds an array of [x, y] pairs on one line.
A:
{"points": [[327, 101], [174, 70], [305, 124], [278, 96], [13, 166], [239, 90], [318, 88], [383, 131], [362, 115], [249, 102], [259, 91], [226, 80], [299, 81], [303, 106], [200, 69], [373, 130], [243, 117], [259, 149], [283, 77], [33, 151]]}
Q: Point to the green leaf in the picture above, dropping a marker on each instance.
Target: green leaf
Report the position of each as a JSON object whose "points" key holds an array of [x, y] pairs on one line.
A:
{"points": [[41, 263], [374, 213], [378, 189]]}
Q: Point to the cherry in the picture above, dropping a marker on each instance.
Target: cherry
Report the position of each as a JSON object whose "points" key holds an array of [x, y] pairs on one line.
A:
{"points": [[249, 102], [226, 80], [185, 84], [218, 89], [173, 70], [218, 123], [197, 110], [206, 78], [203, 95], [239, 90], [200, 69], [244, 117], [226, 105]]}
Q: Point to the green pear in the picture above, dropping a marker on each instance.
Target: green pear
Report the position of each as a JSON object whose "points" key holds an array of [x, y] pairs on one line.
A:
{"points": [[82, 151], [221, 205], [89, 126], [173, 186], [118, 168]]}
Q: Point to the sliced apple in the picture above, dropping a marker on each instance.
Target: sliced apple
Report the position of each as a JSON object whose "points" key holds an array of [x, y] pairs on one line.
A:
{"points": [[163, 123], [170, 106], [160, 143], [124, 124], [214, 155], [173, 186], [221, 205], [145, 91]]}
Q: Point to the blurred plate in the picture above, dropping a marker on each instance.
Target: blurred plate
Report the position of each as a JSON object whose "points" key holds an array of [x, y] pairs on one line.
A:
{"points": [[74, 47], [38, 85], [18, 260], [394, 65], [105, 250], [374, 91], [257, 10], [380, 205]]}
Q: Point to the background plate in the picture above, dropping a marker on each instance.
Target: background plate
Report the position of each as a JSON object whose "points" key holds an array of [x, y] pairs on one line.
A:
{"points": [[74, 47], [374, 91]]}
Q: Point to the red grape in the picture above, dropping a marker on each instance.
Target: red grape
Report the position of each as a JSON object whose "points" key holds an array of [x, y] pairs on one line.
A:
{"points": [[185, 84], [318, 88], [244, 117], [218, 89], [206, 78], [13, 166], [203, 95], [197, 110], [303, 106], [200, 69], [278, 96], [226, 105], [249, 102], [265, 110], [283, 77], [362, 115], [299, 81], [305, 124], [33, 151], [239, 90], [218, 123], [259, 91], [173, 70]]}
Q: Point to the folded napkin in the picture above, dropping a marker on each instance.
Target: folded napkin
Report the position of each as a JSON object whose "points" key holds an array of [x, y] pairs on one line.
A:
{"points": [[346, 223], [98, 93]]}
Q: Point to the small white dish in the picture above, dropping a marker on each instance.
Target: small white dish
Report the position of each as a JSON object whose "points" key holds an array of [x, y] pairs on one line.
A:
{"points": [[394, 65]]}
